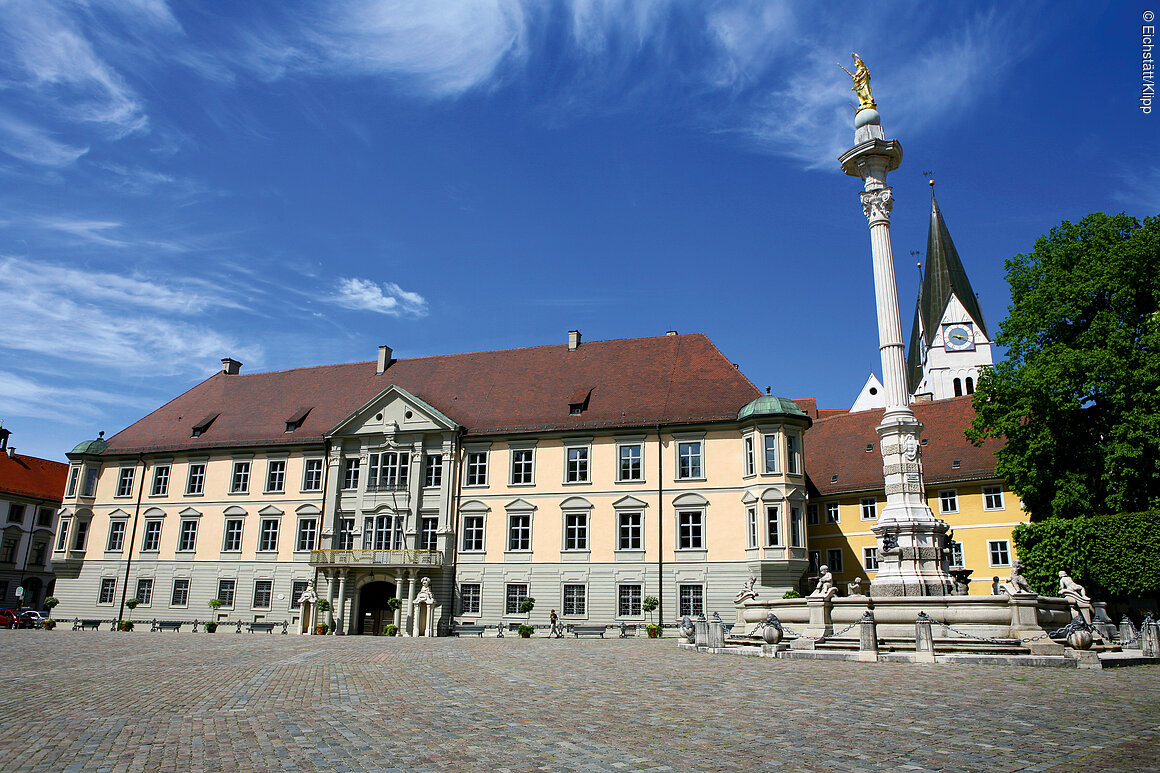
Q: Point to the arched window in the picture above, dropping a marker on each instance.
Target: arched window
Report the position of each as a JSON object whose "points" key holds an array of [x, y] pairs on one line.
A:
{"points": [[970, 385], [958, 388]]}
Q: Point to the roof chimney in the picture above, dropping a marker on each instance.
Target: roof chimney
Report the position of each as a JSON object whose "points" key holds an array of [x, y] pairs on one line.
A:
{"points": [[231, 367], [671, 332], [384, 359], [573, 340], [11, 452]]}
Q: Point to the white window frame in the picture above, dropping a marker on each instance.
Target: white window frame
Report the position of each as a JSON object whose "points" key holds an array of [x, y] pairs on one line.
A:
{"points": [[773, 536], [523, 467], [428, 532], [868, 504], [470, 601], [118, 533], [691, 528], [195, 479], [690, 465], [183, 584], [231, 597], [62, 535], [998, 548], [74, 477], [513, 597], [992, 494], [628, 601], [793, 453], [870, 558], [187, 534], [751, 527], [948, 501], [621, 447], [150, 536], [770, 443], [796, 528], [476, 468], [579, 593], [268, 591], [275, 476], [689, 602], [160, 485], [351, 471], [576, 531], [310, 468], [957, 556], [749, 457], [145, 591], [125, 482], [525, 530], [226, 534], [578, 469], [432, 470], [307, 534], [471, 530], [263, 541], [108, 584], [240, 477], [833, 512]]}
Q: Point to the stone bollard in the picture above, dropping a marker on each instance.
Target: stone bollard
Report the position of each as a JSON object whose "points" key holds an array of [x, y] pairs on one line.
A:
{"points": [[1150, 638], [701, 631], [868, 638], [1129, 638], [716, 634], [923, 639]]}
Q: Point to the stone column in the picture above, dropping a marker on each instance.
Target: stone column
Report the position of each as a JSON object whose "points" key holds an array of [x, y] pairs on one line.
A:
{"points": [[910, 559], [330, 600], [410, 604], [868, 638], [923, 639], [398, 617], [341, 603]]}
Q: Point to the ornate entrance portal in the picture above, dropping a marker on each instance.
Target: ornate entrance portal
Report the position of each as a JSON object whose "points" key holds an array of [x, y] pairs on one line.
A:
{"points": [[374, 614]]}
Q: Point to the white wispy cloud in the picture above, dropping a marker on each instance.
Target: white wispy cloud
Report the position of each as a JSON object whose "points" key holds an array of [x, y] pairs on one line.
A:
{"points": [[385, 298], [35, 144], [119, 323], [51, 400]]}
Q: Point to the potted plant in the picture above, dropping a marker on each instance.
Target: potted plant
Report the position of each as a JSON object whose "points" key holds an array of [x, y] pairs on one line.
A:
{"points": [[649, 604], [394, 604], [49, 624], [654, 631], [126, 625], [321, 629], [211, 626], [525, 630], [323, 606], [215, 605], [391, 630], [526, 606], [51, 602]]}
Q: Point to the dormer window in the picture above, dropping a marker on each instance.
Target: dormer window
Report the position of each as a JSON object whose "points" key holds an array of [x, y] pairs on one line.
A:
{"points": [[578, 403], [295, 421], [203, 425]]}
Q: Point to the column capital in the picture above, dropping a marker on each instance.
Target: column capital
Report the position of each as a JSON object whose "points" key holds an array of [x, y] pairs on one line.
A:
{"points": [[877, 204]]}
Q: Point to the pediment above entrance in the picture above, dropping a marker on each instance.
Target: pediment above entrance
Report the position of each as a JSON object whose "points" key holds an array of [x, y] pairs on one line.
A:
{"points": [[392, 411]]}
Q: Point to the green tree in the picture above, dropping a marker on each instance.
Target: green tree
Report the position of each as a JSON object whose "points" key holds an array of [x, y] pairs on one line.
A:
{"points": [[1078, 396]]}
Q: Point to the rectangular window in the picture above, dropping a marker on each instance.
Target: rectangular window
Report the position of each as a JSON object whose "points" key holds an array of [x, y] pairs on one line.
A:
{"points": [[74, 476], [811, 515], [470, 596], [82, 532], [772, 526], [268, 535], [771, 453], [631, 462], [276, 476], [196, 481], [477, 468], [519, 532], [297, 588], [44, 518], [832, 513], [233, 536], [575, 531], [62, 535], [429, 533], [750, 461], [346, 534], [125, 482], [387, 471], [39, 553], [575, 600], [751, 527], [629, 531], [628, 600], [307, 533], [795, 527], [522, 466], [870, 559], [263, 591], [15, 513], [691, 600], [577, 471], [473, 532], [8, 550], [160, 481], [869, 509], [108, 590], [948, 501], [91, 474], [312, 475], [691, 530], [689, 460], [957, 554], [116, 541], [151, 541], [516, 593], [226, 592], [240, 482], [834, 560], [792, 455], [1000, 553], [188, 538], [145, 590], [350, 474], [180, 597], [992, 497], [433, 471]]}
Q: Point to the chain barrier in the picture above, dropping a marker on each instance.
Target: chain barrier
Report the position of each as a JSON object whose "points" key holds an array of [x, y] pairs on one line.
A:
{"points": [[1078, 624], [821, 638]]}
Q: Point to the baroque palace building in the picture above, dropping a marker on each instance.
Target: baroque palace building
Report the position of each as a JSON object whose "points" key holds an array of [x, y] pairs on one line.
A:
{"points": [[586, 475]]}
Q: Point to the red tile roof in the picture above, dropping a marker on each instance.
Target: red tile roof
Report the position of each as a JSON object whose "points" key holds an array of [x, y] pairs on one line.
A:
{"points": [[836, 444], [634, 382], [29, 476]]}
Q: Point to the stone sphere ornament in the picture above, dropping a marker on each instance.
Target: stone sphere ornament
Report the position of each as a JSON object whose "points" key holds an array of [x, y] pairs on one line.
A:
{"points": [[1080, 639], [771, 634]]}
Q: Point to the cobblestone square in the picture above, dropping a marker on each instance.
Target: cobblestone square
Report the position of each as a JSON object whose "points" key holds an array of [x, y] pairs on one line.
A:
{"points": [[160, 702]]}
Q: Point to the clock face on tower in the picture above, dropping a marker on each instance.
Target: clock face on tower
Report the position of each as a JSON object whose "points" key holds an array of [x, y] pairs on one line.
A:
{"points": [[959, 337]]}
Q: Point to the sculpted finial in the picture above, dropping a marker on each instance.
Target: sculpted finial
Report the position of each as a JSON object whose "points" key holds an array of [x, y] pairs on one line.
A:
{"points": [[861, 78]]}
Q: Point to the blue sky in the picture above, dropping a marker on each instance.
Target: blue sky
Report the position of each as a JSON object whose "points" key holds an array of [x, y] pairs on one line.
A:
{"points": [[293, 183]]}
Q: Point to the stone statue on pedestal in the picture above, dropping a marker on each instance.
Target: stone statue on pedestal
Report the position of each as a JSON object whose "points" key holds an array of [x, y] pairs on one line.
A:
{"points": [[825, 588], [1016, 583], [1076, 596], [861, 78], [746, 591]]}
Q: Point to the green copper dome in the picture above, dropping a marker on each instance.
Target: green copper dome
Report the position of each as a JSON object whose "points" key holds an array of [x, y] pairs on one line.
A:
{"points": [[770, 405], [91, 446]]}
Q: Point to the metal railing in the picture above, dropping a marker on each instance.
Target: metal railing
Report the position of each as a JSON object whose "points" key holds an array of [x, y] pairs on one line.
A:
{"points": [[377, 557], [387, 484]]}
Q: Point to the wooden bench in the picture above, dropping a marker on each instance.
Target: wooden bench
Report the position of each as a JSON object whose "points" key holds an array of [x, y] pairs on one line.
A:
{"points": [[267, 627], [588, 630], [470, 630], [167, 625], [92, 625]]}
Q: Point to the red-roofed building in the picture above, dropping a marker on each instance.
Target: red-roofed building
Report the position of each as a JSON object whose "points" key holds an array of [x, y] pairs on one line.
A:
{"points": [[30, 495], [588, 475]]}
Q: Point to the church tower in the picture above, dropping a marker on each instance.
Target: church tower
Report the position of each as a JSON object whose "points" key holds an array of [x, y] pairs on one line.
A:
{"points": [[949, 342]]}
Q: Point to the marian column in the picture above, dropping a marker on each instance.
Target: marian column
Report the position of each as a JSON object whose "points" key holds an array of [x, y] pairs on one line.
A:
{"points": [[910, 539]]}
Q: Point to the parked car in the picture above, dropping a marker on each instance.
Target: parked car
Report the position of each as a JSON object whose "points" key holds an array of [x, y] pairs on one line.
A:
{"points": [[8, 619], [35, 619]]}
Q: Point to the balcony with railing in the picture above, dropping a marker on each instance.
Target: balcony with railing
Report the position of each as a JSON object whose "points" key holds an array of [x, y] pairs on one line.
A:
{"points": [[375, 558]]}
